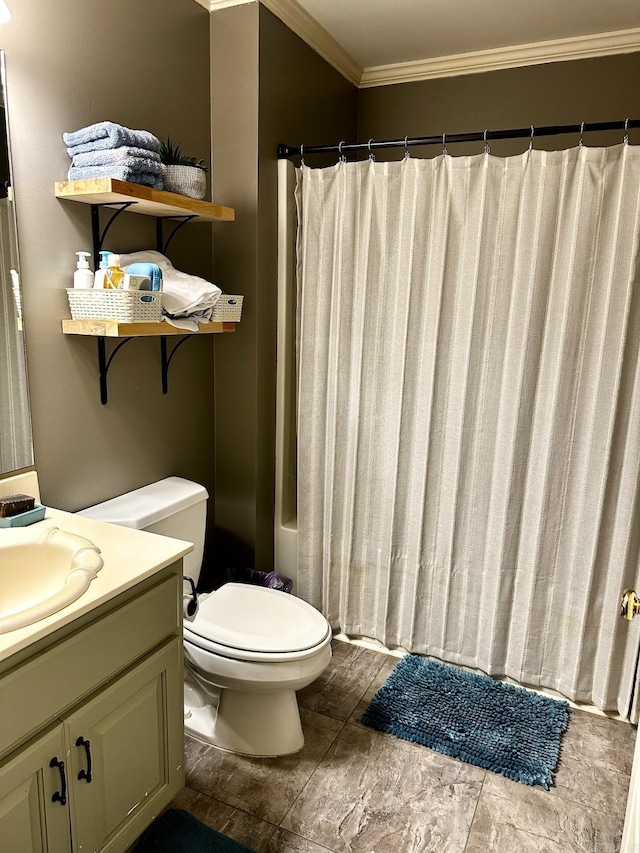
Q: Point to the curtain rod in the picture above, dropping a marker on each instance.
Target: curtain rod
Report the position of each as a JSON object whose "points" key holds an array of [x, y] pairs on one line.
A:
{"points": [[286, 151]]}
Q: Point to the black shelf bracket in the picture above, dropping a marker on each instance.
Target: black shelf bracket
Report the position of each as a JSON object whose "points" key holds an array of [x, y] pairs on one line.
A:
{"points": [[98, 237], [166, 356], [105, 363], [161, 243]]}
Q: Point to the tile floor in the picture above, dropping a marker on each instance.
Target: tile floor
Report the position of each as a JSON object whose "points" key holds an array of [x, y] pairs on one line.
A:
{"points": [[355, 790]]}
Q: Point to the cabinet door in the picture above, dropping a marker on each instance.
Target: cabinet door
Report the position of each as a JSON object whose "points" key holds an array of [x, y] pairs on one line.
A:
{"points": [[126, 751], [31, 821]]}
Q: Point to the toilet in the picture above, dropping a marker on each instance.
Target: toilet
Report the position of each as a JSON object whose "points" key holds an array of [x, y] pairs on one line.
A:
{"points": [[248, 648]]}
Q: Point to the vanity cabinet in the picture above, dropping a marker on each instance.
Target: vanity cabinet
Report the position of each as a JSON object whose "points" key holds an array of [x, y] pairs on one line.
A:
{"points": [[91, 775], [29, 821]]}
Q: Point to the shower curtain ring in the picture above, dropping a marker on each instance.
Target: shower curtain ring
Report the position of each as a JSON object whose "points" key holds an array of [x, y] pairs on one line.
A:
{"points": [[302, 163], [626, 131], [342, 158], [372, 156], [581, 143], [407, 153], [487, 147], [531, 137], [444, 144]]}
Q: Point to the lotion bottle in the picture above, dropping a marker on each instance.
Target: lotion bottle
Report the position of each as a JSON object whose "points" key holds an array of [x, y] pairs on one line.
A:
{"points": [[113, 274], [83, 277], [102, 271]]}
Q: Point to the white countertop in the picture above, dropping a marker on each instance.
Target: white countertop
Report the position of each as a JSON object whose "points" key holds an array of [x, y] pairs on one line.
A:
{"points": [[130, 556]]}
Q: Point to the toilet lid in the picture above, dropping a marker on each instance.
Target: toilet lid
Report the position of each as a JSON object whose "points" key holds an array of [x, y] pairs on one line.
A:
{"points": [[258, 619]]}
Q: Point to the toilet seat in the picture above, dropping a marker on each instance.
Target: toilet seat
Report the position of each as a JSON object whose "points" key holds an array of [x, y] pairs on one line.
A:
{"points": [[257, 657], [253, 623]]}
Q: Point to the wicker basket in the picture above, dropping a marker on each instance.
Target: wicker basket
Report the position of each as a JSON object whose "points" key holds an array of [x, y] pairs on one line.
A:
{"points": [[228, 309], [126, 306]]}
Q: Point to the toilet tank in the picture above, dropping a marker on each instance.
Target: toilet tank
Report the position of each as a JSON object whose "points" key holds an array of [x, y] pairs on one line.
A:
{"points": [[171, 507]]}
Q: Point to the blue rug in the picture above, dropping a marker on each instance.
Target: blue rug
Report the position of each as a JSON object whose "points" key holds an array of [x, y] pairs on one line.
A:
{"points": [[178, 831], [488, 723]]}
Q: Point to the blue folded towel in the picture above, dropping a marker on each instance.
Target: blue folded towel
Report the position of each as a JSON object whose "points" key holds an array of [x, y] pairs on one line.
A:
{"points": [[108, 134], [124, 154], [132, 164], [122, 173]]}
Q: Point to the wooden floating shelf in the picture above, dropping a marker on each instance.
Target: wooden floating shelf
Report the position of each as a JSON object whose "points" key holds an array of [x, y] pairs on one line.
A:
{"points": [[103, 329], [116, 329], [145, 200]]}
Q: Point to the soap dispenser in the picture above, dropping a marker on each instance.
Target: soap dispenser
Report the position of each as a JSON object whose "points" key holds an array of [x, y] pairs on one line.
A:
{"points": [[100, 273], [83, 277]]}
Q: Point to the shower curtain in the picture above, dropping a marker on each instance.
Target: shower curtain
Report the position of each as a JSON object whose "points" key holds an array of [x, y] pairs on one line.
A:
{"points": [[468, 410]]}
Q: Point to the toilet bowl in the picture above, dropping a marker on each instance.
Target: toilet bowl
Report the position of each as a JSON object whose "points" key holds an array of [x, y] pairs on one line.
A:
{"points": [[248, 649]]}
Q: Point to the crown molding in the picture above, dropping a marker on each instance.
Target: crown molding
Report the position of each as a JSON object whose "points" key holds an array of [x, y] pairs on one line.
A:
{"points": [[304, 25], [291, 13], [537, 53], [214, 5]]}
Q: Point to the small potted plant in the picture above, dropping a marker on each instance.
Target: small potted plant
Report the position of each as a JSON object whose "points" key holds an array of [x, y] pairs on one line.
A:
{"points": [[184, 175]]}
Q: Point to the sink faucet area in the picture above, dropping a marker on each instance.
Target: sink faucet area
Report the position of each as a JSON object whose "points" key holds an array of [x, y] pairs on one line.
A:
{"points": [[42, 571]]}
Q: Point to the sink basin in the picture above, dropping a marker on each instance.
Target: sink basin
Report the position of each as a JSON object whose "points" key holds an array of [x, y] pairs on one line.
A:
{"points": [[41, 572]]}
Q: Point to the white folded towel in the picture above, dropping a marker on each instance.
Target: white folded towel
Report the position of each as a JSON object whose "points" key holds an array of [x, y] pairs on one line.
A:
{"points": [[190, 323], [188, 299]]}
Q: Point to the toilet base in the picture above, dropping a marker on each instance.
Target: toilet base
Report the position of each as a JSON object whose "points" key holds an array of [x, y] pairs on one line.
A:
{"points": [[263, 724]]}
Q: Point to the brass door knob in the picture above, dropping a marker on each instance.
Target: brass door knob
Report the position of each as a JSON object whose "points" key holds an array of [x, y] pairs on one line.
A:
{"points": [[630, 604]]}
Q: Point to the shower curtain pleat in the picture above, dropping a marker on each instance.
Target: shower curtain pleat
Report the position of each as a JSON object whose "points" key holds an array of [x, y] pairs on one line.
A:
{"points": [[468, 413]]}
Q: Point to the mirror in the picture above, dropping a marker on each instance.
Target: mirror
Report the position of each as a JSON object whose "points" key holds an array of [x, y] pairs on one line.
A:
{"points": [[16, 450]]}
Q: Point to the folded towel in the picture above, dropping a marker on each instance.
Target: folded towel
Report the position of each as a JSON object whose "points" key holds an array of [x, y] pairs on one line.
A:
{"points": [[108, 134], [188, 297], [132, 164], [121, 173], [123, 154], [190, 323]]}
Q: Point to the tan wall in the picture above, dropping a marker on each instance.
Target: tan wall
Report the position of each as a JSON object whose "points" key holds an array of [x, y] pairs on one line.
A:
{"points": [[143, 64], [559, 93], [301, 97], [234, 113], [267, 87]]}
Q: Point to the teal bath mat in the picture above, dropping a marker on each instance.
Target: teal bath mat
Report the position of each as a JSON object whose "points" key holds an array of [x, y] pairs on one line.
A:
{"points": [[178, 831], [472, 717]]}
